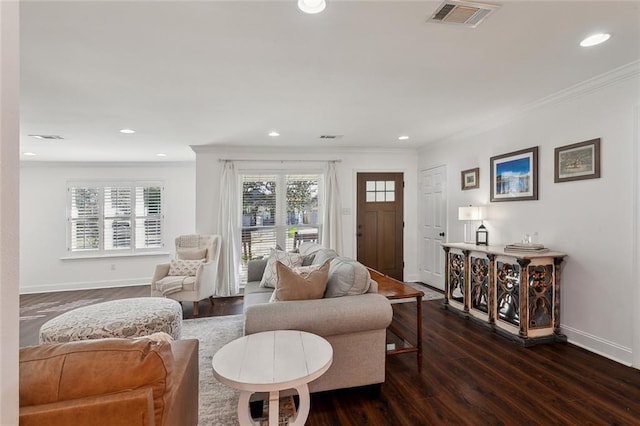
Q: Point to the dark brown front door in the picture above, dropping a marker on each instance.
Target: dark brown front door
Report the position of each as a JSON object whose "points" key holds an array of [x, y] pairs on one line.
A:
{"points": [[380, 223]]}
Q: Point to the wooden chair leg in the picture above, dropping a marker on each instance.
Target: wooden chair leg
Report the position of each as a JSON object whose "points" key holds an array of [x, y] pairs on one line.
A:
{"points": [[195, 309], [211, 300]]}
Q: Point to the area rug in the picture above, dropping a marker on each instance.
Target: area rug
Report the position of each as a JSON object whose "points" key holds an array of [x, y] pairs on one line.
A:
{"points": [[218, 402], [429, 293]]}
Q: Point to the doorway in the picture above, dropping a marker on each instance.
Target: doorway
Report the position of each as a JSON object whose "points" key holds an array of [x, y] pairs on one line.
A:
{"points": [[380, 201], [432, 223]]}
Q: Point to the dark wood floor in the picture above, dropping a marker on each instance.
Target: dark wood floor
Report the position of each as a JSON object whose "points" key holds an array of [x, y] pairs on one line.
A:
{"points": [[470, 375]]}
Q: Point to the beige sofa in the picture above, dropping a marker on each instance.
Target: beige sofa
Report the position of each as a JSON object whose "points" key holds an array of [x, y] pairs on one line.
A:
{"points": [[355, 325], [125, 382]]}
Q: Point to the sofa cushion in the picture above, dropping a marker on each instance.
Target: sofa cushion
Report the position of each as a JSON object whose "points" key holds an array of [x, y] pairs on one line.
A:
{"points": [[191, 253], [179, 267], [255, 269], [270, 276], [307, 259], [302, 283], [67, 371], [308, 247], [321, 256], [347, 277]]}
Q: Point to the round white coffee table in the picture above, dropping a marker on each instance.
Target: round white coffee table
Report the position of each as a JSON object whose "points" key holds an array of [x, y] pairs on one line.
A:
{"points": [[273, 361]]}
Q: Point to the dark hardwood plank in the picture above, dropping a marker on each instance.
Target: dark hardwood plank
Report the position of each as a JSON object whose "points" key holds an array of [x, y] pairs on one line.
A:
{"points": [[470, 375]]}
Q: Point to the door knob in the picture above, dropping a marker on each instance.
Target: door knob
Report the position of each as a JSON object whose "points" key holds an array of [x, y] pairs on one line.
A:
{"points": [[441, 234]]}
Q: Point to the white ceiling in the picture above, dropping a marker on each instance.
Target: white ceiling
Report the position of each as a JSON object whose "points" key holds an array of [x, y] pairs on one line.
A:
{"points": [[211, 72]]}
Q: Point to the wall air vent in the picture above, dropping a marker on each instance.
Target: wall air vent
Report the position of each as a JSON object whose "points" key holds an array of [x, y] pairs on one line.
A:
{"points": [[331, 136], [47, 137], [465, 13]]}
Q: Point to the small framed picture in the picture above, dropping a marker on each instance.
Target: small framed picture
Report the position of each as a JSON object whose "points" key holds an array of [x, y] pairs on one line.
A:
{"points": [[470, 178], [514, 176], [577, 161]]}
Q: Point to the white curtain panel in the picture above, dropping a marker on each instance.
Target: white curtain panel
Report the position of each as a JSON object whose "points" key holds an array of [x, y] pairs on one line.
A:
{"points": [[332, 218], [228, 283]]}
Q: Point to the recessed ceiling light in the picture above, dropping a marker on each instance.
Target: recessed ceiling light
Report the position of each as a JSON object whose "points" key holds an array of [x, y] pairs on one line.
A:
{"points": [[595, 39], [29, 154], [274, 134], [403, 138], [48, 137], [312, 6], [160, 154], [127, 131]]}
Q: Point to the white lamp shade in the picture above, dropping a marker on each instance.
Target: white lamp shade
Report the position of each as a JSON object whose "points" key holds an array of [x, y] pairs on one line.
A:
{"points": [[312, 6], [472, 213]]}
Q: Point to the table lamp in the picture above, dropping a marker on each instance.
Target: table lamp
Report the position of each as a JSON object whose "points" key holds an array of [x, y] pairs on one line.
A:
{"points": [[470, 214]]}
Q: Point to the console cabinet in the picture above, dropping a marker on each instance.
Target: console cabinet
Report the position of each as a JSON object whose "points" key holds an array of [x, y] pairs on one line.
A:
{"points": [[517, 294]]}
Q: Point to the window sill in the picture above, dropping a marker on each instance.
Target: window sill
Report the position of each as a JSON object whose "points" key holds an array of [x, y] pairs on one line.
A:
{"points": [[115, 255]]}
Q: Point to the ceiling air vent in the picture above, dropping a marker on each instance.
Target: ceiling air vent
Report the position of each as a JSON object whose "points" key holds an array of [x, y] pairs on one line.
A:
{"points": [[48, 137], [330, 136], [468, 14]]}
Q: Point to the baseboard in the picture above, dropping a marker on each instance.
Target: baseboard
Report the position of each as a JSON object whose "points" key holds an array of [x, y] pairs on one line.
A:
{"points": [[597, 345], [49, 288], [412, 278]]}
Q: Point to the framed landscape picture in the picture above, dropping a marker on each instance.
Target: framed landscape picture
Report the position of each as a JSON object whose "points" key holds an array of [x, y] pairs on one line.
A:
{"points": [[514, 176], [577, 161], [470, 178]]}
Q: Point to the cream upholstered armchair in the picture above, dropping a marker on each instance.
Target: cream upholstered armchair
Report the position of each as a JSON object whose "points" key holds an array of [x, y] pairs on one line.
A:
{"points": [[192, 275]]}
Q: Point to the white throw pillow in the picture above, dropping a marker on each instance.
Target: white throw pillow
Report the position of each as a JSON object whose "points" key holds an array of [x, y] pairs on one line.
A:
{"points": [[270, 276], [191, 253], [179, 267]]}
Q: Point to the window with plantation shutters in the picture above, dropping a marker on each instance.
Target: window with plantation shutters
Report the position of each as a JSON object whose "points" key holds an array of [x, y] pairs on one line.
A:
{"points": [[148, 224], [85, 218], [278, 210], [122, 217], [117, 218]]}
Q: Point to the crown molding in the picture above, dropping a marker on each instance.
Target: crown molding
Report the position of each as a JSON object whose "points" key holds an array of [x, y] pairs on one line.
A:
{"points": [[591, 85], [255, 150], [106, 164], [607, 79]]}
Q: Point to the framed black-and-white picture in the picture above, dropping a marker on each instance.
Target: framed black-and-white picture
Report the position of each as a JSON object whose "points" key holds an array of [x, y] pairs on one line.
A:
{"points": [[514, 176], [470, 178], [577, 161]]}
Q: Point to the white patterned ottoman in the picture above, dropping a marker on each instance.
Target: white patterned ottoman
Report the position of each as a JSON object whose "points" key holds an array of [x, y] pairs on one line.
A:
{"points": [[134, 317]]}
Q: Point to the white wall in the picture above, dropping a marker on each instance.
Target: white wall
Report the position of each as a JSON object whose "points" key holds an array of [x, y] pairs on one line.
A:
{"points": [[352, 161], [591, 220], [10, 141], [43, 242], [636, 245]]}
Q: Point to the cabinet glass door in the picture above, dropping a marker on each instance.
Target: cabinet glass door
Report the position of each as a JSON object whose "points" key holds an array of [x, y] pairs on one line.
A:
{"points": [[508, 292], [480, 284], [456, 277]]}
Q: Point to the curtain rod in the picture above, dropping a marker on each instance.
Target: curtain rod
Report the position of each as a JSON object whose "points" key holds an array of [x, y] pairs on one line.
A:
{"points": [[222, 160]]}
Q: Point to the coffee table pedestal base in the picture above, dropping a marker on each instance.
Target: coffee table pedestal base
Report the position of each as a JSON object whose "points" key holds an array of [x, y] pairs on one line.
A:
{"points": [[244, 413]]}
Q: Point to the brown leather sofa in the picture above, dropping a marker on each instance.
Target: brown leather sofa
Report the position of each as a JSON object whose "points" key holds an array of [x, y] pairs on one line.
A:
{"points": [[110, 382]]}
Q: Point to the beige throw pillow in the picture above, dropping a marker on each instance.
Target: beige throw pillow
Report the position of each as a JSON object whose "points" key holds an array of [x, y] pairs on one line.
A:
{"points": [[309, 284]]}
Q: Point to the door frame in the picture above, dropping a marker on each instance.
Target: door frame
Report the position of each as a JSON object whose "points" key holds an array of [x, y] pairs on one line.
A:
{"points": [[420, 212], [354, 203], [398, 207]]}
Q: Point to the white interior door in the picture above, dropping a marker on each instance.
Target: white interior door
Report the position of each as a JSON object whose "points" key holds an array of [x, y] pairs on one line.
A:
{"points": [[432, 225]]}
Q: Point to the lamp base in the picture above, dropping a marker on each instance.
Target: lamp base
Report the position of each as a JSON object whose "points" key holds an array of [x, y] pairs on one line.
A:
{"points": [[469, 233]]}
